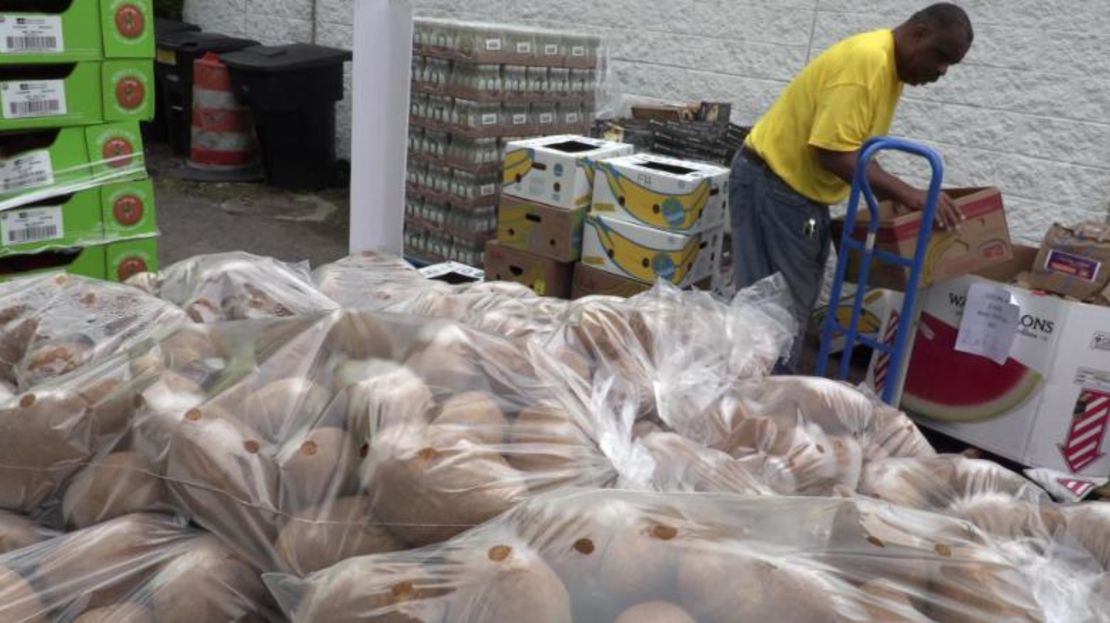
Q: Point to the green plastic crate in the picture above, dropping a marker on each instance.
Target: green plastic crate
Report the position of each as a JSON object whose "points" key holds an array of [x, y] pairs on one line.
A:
{"points": [[72, 221], [127, 258], [87, 30], [55, 96], [128, 210], [87, 261], [38, 164]]}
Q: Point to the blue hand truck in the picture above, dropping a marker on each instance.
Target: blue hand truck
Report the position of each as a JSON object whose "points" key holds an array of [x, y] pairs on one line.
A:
{"points": [[899, 349]]}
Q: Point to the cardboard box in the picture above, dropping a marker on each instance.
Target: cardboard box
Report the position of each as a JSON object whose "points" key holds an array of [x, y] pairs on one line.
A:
{"points": [[38, 164], [984, 239], [85, 30], [660, 192], [593, 282], [646, 254], [555, 170], [70, 221], [878, 307], [1074, 261], [128, 210], [84, 261], [123, 260], [551, 232], [1044, 407], [55, 96], [544, 275]]}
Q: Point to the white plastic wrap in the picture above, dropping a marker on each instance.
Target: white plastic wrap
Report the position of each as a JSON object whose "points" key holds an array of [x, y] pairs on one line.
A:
{"points": [[236, 286], [55, 324], [133, 569], [605, 556]]}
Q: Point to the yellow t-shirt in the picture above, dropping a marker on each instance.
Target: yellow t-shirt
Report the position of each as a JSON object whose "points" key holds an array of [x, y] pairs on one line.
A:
{"points": [[840, 100]]}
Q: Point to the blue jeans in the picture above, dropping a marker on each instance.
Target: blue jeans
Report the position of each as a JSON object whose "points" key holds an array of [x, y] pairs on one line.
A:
{"points": [[777, 230]]}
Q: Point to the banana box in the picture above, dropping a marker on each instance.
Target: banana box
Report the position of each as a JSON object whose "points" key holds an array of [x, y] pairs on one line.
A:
{"points": [[53, 96], [660, 192], [982, 240], [551, 232], [543, 275], [594, 282], [556, 170], [77, 30], [44, 163], [646, 254], [878, 307]]}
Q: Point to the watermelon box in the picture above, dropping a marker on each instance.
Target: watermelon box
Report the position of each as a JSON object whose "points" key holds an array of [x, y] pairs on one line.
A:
{"points": [[52, 96], [982, 240], [1048, 406], [78, 30], [39, 164]]}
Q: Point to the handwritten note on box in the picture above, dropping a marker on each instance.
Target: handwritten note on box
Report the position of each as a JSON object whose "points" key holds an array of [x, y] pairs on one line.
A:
{"points": [[990, 323]]}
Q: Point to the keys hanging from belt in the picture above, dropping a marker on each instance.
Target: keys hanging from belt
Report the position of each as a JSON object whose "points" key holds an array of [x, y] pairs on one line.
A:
{"points": [[810, 228]]}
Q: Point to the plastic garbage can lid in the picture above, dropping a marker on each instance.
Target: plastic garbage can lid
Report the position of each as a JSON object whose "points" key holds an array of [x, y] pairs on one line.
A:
{"points": [[201, 42], [279, 58], [164, 26]]}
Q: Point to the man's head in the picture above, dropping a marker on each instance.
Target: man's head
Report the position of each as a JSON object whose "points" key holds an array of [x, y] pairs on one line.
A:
{"points": [[931, 41]]}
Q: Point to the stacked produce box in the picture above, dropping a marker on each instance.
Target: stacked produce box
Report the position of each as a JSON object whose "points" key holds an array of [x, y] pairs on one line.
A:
{"points": [[548, 184], [74, 85], [475, 88]]}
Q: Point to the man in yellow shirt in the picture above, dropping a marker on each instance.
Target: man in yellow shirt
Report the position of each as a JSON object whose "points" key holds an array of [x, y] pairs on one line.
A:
{"points": [[801, 156]]}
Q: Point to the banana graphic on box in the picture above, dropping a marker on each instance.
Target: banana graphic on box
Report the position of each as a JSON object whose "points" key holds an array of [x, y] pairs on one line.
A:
{"points": [[555, 170], [659, 210], [636, 260], [517, 164]]}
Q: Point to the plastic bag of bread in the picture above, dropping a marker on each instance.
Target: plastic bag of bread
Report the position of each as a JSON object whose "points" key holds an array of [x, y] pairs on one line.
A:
{"points": [[371, 281], [55, 324], [997, 500], [19, 531], [306, 440], [713, 558], [136, 568], [237, 286]]}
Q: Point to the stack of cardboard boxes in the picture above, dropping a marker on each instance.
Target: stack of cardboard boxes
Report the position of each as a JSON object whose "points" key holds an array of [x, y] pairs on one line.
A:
{"points": [[74, 193], [547, 189], [475, 88], [582, 216]]}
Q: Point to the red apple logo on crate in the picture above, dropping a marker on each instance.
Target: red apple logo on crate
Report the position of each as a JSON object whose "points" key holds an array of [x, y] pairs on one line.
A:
{"points": [[130, 21], [130, 93], [117, 152], [128, 210]]}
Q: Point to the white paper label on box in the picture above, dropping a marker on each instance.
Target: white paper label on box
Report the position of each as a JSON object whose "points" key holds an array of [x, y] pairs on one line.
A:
{"points": [[1100, 341], [29, 170], [31, 35], [547, 117], [572, 117], [493, 45], [578, 50], [990, 323], [523, 47], [551, 49], [520, 118], [35, 98], [31, 225], [489, 118], [488, 189]]}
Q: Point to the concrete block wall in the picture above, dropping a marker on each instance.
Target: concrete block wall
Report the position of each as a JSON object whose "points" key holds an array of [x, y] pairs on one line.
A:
{"points": [[1028, 110]]}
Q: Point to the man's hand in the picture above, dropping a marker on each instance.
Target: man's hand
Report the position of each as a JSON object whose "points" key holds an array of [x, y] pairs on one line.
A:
{"points": [[948, 214]]}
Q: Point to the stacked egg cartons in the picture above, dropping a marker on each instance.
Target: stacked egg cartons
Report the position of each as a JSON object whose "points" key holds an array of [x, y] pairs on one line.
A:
{"points": [[74, 85], [476, 87]]}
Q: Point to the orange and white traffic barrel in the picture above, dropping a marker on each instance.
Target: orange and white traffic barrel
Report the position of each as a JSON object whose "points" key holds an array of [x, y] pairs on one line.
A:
{"points": [[223, 140]]}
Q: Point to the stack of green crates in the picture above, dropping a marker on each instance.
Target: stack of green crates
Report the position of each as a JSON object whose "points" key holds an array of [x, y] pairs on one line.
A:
{"points": [[75, 81]]}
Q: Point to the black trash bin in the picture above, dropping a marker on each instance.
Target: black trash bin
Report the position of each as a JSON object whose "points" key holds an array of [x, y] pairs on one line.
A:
{"points": [[174, 71], [291, 91], [155, 131]]}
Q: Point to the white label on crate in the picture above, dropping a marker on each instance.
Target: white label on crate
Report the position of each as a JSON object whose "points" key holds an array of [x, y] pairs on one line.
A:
{"points": [[547, 117], [488, 189], [520, 118], [31, 35], [31, 225], [35, 98], [578, 50], [489, 118], [1097, 380], [493, 45], [29, 170], [572, 117], [551, 49], [523, 47]]}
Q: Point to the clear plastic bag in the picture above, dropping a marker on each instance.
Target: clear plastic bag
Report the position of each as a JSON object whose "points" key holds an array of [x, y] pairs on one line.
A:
{"points": [[605, 556], [142, 567], [237, 286], [55, 324]]}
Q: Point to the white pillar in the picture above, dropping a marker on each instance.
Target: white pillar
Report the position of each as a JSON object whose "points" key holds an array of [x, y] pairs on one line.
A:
{"points": [[379, 129]]}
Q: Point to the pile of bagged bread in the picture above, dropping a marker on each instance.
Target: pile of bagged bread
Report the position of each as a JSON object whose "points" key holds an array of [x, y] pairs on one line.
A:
{"points": [[240, 439]]}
